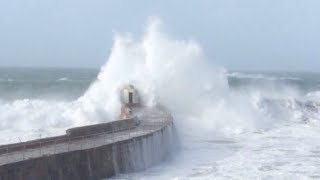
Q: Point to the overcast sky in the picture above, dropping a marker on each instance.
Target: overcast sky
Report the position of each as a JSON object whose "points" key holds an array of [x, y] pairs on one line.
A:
{"points": [[238, 34]]}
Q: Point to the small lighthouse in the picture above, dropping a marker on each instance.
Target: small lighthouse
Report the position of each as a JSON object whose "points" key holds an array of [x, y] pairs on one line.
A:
{"points": [[129, 99]]}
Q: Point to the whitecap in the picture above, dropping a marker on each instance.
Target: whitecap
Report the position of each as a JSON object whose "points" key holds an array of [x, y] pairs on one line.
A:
{"points": [[64, 79]]}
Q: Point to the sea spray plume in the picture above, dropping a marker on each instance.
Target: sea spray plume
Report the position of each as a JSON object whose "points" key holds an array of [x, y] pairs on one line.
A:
{"points": [[174, 73], [192, 87], [171, 72]]}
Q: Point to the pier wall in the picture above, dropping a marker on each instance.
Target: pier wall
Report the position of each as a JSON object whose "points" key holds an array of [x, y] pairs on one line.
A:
{"points": [[130, 155]]}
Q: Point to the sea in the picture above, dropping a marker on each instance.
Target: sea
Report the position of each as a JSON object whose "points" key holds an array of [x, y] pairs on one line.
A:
{"points": [[232, 124]]}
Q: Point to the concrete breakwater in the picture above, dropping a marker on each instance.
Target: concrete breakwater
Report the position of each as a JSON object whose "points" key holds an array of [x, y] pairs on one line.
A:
{"points": [[93, 152]]}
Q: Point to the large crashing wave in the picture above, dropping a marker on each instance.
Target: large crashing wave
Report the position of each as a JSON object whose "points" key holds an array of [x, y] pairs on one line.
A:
{"points": [[165, 71], [174, 73]]}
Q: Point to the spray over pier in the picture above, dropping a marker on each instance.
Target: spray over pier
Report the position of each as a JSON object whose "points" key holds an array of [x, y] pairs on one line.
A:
{"points": [[132, 143]]}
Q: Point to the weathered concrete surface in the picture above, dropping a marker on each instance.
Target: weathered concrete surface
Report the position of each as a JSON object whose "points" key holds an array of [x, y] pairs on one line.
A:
{"points": [[96, 157]]}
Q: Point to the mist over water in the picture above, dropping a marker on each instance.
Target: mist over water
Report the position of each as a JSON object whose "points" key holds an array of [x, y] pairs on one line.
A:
{"points": [[232, 124]]}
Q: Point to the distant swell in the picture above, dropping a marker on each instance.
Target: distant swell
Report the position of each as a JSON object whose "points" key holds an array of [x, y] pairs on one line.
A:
{"points": [[261, 76]]}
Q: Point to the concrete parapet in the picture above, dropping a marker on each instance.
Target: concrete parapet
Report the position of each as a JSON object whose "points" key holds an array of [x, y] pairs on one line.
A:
{"points": [[114, 126]]}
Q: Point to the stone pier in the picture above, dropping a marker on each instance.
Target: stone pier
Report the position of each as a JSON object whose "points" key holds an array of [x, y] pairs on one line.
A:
{"points": [[93, 152]]}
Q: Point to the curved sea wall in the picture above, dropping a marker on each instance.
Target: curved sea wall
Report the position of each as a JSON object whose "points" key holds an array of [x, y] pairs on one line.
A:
{"points": [[130, 150], [142, 152]]}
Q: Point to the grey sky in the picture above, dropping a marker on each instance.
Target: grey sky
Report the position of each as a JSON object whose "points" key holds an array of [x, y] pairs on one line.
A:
{"points": [[238, 34]]}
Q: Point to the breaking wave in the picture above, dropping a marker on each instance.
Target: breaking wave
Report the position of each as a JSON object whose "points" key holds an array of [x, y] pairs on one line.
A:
{"points": [[167, 71]]}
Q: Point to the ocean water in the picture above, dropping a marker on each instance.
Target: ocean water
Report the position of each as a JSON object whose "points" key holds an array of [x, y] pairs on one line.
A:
{"points": [[44, 83], [231, 124]]}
